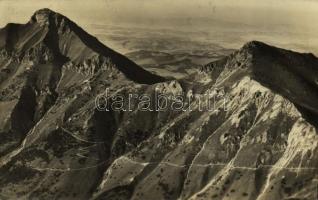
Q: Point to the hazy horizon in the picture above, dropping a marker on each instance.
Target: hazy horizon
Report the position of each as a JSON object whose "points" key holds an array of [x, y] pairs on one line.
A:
{"points": [[285, 23]]}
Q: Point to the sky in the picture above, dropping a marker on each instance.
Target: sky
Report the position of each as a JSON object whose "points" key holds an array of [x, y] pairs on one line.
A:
{"points": [[299, 17], [294, 12]]}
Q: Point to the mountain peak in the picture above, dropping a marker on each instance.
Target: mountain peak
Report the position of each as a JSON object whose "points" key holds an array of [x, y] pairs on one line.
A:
{"points": [[254, 46], [68, 43], [46, 17], [44, 11], [42, 16]]}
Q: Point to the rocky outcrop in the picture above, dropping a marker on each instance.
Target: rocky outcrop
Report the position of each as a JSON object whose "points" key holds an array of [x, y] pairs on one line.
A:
{"points": [[92, 65], [258, 142]]}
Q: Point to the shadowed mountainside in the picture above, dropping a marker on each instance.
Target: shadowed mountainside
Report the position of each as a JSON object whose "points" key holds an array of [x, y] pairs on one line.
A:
{"points": [[258, 142], [67, 40]]}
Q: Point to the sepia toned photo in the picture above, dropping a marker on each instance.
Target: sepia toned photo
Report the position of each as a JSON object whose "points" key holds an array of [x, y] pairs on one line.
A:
{"points": [[158, 100]]}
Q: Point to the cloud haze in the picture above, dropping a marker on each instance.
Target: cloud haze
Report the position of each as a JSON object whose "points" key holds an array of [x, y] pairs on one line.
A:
{"points": [[293, 18], [244, 11]]}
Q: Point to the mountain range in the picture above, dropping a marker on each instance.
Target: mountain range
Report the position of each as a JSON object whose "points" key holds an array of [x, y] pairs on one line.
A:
{"points": [[260, 142]]}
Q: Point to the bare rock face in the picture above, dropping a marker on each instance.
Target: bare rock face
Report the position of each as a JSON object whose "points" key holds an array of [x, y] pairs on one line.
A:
{"points": [[42, 17], [258, 142]]}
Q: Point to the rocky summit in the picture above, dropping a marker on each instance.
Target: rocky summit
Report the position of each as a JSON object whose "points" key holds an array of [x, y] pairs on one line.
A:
{"points": [[259, 142]]}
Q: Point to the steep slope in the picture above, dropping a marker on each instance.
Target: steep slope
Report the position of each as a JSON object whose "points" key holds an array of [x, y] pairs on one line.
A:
{"points": [[258, 141], [291, 74], [67, 40], [42, 85], [38, 60]]}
